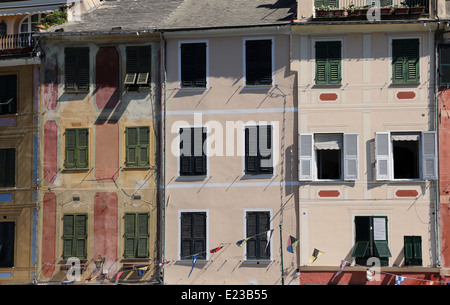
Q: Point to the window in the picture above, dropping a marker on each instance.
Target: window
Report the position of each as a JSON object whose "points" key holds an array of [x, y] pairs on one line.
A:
{"points": [[258, 62], [193, 65], [444, 65], [77, 148], [8, 94], [258, 223], [74, 235], [7, 167], [138, 67], [405, 60], [7, 244], [258, 150], [136, 235], [330, 3], [413, 250], [193, 235], [77, 69], [3, 29], [406, 155], [371, 239], [328, 156], [328, 62], [192, 151], [30, 22], [137, 153]]}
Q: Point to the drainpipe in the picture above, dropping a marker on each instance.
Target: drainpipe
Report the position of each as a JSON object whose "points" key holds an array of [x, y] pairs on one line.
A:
{"points": [[164, 62]]}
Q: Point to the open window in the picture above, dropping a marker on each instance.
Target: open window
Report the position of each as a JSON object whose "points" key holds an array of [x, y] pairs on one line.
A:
{"points": [[138, 67], [328, 156], [406, 155], [8, 94], [7, 244]]}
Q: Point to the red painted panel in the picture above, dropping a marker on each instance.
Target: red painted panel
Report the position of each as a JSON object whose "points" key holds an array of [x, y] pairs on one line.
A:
{"points": [[51, 82], [107, 78], [328, 97], [50, 151], [406, 193], [106, 229], [107, 152], [406, 95], [329, 193], [48, 234]]}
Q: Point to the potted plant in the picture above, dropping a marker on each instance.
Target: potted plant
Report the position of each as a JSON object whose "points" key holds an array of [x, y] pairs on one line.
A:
{"points": [[386, 10], [337, 12], [401, 9], [417, 9], [323, 11]]}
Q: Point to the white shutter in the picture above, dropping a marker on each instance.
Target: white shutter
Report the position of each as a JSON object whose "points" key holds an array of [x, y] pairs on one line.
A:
{"points": [[305, 155], [382, 155], [429, 155], [351, 167]]}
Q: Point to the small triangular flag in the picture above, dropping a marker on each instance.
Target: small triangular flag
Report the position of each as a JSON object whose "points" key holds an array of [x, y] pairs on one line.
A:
{"points": [[399, 280], [369, 275], [315, 255], [242, 241], [292, 244], [215, 249], [194, 260]]}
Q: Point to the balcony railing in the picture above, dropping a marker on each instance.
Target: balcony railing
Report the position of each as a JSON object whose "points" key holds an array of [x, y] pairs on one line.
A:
{"points": [[16, 42], [349, 8]]}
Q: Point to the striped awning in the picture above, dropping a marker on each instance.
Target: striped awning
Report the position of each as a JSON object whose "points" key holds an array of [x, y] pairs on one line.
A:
{"points": [[30, 7]]}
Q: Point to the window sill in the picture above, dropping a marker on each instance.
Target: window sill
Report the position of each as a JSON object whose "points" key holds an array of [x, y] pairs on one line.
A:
{"points": [[188, 262], [192, 178], [137, 167], [257, 176], [255, 262], [261, 87], [66, 91], [84, 169]]}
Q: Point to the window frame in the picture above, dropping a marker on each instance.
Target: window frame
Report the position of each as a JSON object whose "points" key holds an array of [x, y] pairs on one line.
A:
{"points": [[138, 162], [412, 250], [74, 237], [441, 47], [13, 170], [341, 62], [11, 237], [135, 84], [259, 158], [75, 68], [16, 97], [264, 237], [391, 38], [205, 153], [180, 236], [244, 62], [180, 65], [136, 235], [76, 148]]}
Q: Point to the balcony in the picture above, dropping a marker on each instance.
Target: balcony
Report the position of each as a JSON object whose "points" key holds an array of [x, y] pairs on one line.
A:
{"points": [[357, 9], [16, 45]]}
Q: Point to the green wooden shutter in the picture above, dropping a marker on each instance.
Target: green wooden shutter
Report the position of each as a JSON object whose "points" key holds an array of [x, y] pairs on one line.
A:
{"points": [[413, 250], [328, 62], [144, 140], [142, 235], [382, 248], [81, 235], [405, 60], [68, 235], [129, 236], [77, 68], [131, 149], [70, 68], [360, 249], [83, 69], [71, 144], [412, 60], [82, 148]]}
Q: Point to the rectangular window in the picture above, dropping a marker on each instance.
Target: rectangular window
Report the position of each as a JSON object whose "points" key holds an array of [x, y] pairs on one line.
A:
{"points": [[328, 62], [413, 250], [7, 244], [7, 167], [137, 150], [138, 69], [371, 239], [136, 235], [193, 65], [258, 62], [258, 223], [405, 60], [8, 94], [258, 150], [74, 235], [193, 151], [329, 3], [77, 148], [444, 65], [193, 235], [76, 69], [328, 156], [406, 155]]}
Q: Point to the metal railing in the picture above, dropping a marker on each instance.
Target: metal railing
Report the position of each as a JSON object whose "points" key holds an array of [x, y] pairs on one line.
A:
{"points": [[367, 3], [16, 41]]}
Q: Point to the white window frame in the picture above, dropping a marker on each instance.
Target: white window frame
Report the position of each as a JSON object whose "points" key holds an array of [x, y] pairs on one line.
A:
{"points": [[389, 57], [179, 233], [179, 65], [244, 72], [313, 59], [28, 19], [244, 250]]}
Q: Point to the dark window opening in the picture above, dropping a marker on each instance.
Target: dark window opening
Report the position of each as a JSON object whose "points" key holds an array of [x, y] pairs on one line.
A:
{"points": [[258, 62], [138, 67], [406, 159], [8, 94], [193, 235], [7, 167], [7, 244], [193, 65], [329, 164]]}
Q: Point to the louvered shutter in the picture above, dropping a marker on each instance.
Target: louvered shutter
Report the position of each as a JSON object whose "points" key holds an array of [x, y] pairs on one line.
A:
{"points": [[193, 65], [263, 227], [199, 235], [77, 69], [83, 69], [68, 235], [321, 62], [382, 155], [129, 235], [429, 155], [142, 235], [70, 69], [199, 135], [81, 235], [351, 156], [334, 62], [186, 235], [131, 146], [185, 151], [144, 140], [258, 62], [405, 60], [265, 148], [306, 154], [251, 232], [71, 144], [412, 60], [444, 65], [82, 148], [251, 149]]}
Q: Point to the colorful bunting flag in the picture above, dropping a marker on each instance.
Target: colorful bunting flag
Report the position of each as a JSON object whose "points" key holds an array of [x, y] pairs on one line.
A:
{"points": [[269, 236], [242, 241], [163, 263], [215, 249], [343, 264], [194, 260], [315, 255], [142, 270], [292, 244], [369, 275], [399, 280], [117, 277]]}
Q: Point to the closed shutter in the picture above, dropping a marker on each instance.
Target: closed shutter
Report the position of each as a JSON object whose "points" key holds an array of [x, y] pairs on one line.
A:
{"points": [[185, 151], [251, 232], [83, 69], [251, 149], [132, 138], [7, 244], [144, 146], [334, 62], [193, 65], [405, 60], [81, 235], [258, 62], [199, 135], [382, 156], [138, 66], [328, 62], [76, 69], [71, 145], [321, 63], [429, 155], [351, 156], [7, 167], [306, 154], [199, 235], [129, 235], [412, 60], [68, 235], [142, 235], [444, 65], [193, 235], [413, 250], [82, 148], [265, 148]]}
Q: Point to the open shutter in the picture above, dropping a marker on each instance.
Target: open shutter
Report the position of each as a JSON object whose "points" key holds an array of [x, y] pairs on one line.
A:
{"points": [[129, 236], [429, 155], [142, 235], [382, 156], [360, 249], [144, 140], [351, 156], [70, 148], [306, 154], [82, 148]]}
